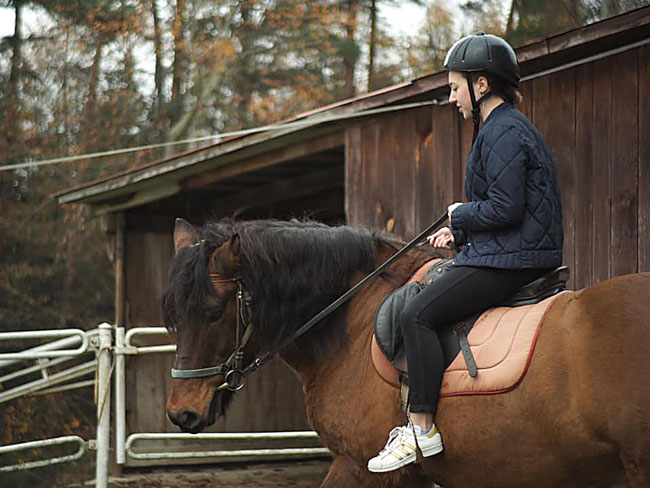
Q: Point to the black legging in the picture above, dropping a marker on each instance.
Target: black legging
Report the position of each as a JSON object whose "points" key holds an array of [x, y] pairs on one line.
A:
{"points": [[457, 294]]}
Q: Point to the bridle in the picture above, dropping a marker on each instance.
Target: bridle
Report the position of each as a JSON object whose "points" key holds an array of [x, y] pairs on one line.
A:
{"points": [[231, 369]]}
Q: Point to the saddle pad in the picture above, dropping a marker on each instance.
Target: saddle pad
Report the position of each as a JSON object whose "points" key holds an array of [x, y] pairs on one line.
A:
{"points": [[502, 341]]}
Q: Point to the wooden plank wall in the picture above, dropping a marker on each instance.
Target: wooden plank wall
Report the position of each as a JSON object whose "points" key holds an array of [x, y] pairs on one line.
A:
{"points": [[395, 178], [595, 119]]}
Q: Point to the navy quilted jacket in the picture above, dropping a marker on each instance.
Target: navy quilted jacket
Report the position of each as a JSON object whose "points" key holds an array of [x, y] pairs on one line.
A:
{"points": [[513, 218]]}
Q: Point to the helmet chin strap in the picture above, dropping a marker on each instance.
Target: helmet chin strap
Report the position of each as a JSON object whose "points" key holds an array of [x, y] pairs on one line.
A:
{"points": [[476, 104]]}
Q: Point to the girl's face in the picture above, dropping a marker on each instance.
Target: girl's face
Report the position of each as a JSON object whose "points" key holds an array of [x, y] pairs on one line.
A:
{"points": [[459, 94]]}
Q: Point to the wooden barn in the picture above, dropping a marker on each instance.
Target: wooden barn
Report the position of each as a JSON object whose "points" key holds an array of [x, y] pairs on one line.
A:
{"points": [[370, 161]]}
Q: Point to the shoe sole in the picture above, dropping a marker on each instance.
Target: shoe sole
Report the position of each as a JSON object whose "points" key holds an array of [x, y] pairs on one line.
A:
{"points": [[430, 451]]}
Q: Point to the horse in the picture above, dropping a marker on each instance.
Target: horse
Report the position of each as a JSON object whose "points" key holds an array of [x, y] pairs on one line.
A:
{"points": [[580, 418]]}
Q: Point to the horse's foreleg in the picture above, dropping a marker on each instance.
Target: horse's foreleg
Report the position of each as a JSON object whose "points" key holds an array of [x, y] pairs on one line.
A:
{"points": [[637, 470], [344, 473]]}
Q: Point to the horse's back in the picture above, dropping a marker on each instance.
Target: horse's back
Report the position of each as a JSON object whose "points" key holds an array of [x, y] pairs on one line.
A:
{"points": [[617, 312], [606, 330]]}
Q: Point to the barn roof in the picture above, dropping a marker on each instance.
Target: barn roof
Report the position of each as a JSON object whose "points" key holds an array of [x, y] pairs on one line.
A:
{"points": [[268, 155]]}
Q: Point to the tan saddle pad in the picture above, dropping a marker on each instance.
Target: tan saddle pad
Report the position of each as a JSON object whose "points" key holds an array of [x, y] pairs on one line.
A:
{"points": [[502, 342]]}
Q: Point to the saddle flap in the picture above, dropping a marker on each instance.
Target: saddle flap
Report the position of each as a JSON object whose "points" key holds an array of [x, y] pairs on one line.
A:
{"points": [[387, 334]]}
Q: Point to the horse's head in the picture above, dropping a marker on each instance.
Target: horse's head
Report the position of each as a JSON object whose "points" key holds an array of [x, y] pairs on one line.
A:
{"points": [[200, 308], [259, 280]]}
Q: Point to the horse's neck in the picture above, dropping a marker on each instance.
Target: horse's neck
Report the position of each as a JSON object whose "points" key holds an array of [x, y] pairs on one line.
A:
{"points": [[366, 302], [359, 316]]}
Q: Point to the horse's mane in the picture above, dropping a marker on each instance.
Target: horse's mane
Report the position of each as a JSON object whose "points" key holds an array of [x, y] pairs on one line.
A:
{"points": [[292, 269]]}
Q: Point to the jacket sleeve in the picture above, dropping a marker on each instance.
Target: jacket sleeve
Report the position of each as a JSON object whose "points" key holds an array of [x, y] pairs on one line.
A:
{"points": [[505, 168], [460, 236]]}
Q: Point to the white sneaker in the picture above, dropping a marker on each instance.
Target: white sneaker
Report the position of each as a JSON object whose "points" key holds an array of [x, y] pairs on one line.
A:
{"points": [[400, 449]]}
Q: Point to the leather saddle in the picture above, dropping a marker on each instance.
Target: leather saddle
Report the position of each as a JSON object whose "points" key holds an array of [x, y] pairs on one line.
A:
{"points": [[453, 338]]}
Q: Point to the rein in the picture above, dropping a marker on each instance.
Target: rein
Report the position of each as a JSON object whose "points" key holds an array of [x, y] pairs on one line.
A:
{"points": [[232, 369]]}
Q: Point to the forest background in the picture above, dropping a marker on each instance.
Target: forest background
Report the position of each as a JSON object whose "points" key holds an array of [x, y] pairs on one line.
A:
{"points": [[95, 75]]}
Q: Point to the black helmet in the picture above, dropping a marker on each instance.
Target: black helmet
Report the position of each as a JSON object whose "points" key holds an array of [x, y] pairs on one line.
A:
{"points": [[484, 52]]}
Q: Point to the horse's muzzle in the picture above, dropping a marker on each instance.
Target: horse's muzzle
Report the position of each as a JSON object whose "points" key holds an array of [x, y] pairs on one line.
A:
{"points": [[187, 420]]}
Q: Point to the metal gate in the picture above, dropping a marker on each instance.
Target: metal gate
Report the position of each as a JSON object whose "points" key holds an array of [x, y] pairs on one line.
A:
{"points": [[54, 353], [111, 345]]}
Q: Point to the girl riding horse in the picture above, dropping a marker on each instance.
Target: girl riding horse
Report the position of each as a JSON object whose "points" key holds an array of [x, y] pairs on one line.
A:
{"points": [[509, 232]]}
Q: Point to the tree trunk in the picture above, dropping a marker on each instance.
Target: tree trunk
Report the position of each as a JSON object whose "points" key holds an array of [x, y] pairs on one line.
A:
{"points": [[242, 85], [207, 82], [350, 56], [10, 144], [511, 18], [14, 128], [90, 106], [75, 217], [158, 74], [178, 31], [373, 46], [65, 94]]}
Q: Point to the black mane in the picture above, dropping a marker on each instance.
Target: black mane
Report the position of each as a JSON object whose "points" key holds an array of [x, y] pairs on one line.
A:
{"points": [[293, 269]]}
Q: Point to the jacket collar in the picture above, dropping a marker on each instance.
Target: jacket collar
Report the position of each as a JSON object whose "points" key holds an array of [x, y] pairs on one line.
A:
{"points": [[497, 110]]}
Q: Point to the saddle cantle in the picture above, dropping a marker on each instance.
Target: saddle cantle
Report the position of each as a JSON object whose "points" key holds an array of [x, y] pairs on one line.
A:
{"points": [[499, 342]]}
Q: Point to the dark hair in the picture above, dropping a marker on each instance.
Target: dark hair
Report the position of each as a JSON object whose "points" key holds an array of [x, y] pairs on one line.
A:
{"points": [[500, 87]]}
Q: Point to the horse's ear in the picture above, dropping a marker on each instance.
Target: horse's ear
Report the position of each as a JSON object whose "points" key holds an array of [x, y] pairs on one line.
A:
{"points": [[235, 246], [226, 256], [184, 235]]}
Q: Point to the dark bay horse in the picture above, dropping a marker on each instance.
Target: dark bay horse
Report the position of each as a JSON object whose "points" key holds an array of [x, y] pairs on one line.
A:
{"points": [[580, 418]]}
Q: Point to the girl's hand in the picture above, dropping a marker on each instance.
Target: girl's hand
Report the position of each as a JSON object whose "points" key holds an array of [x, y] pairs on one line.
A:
{"points": [[441, 238], [451, 208]]}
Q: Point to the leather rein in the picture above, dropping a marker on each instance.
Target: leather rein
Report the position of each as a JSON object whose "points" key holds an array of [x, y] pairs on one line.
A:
{"points": [[232, 369]]}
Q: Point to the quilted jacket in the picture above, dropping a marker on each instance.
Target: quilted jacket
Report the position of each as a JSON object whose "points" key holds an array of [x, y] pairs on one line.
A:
{"points": [[513, 218]]}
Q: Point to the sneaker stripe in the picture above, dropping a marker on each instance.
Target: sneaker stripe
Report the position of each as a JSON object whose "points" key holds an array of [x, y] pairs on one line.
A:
{"points": [[405, 451], [410, 446]]}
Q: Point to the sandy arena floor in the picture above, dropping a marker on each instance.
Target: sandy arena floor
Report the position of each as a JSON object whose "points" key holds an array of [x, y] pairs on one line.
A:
{"points": [[299, 474]]}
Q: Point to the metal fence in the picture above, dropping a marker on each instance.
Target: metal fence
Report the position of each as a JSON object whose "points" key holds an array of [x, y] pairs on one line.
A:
{"points": [[110, 345], [56, 353]]}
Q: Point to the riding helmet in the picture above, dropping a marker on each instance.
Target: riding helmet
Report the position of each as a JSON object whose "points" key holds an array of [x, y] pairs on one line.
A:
{"points": [[484, 52]]}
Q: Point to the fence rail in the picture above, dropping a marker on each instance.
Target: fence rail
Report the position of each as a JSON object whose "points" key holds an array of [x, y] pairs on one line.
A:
{"points": [[46, 357], [44, 443], [51, 350], [230, 453]]}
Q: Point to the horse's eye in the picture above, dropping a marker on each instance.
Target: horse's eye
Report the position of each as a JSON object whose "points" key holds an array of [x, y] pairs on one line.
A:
{"points": [[215, 314]]}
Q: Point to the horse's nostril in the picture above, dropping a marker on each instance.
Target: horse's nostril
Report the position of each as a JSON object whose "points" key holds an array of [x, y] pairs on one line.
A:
{"points": [[189, 420]]}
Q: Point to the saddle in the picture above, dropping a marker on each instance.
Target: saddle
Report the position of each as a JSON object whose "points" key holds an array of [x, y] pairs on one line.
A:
{"points": [[485, 353]]}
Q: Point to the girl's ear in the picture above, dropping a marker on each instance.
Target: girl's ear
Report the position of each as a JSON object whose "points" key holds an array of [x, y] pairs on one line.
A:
{"points": [[483, 84]]}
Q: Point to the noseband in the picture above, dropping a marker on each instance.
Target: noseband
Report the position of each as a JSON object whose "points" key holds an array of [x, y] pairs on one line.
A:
{"points": [[232, 368]]}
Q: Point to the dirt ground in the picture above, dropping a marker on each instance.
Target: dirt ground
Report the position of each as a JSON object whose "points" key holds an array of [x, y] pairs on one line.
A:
{"points": [[297, 474]]}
